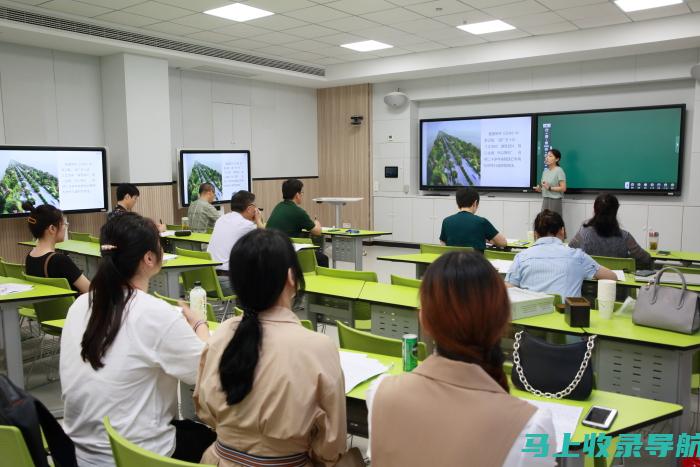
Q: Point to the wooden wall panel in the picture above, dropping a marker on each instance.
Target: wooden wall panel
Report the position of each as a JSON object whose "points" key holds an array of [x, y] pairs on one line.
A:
{"points": [[344, 152]]}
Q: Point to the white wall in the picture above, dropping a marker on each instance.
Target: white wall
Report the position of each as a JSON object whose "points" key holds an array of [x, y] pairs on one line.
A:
{"points": [[276, 122], [625, 82]]}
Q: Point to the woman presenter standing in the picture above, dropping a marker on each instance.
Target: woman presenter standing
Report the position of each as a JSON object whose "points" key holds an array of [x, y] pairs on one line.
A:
{"points": [[553, 184]]}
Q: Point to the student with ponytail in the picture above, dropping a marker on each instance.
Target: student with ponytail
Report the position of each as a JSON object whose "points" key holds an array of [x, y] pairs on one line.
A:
{"points": [[47, 225], [272, 390], [459, 395], [123, 352]]}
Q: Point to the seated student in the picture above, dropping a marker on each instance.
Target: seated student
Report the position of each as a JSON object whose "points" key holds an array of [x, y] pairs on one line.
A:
{"points": [[602, 235], [243, 218], [268, 386], [552, 267], [201, 213], [123, 352], [289, 217], [459, 395], [47, 225], [127, 196], [466, 228]]}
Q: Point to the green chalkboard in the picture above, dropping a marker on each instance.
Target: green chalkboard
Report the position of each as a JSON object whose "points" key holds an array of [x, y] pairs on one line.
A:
{"points": [[635, 150]]}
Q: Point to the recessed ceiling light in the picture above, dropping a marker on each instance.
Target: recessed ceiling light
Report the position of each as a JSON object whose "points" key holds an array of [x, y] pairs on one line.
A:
{"points": [[238, 12], [636, 5], [367, 46], [486, 27]]}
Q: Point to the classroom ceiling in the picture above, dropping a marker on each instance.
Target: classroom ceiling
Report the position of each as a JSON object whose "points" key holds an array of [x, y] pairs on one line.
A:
{"points": [[310, 31]]}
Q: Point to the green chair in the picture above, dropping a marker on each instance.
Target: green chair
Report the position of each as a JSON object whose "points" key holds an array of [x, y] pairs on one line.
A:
{"points": [[13, 447], [307, 257], [207, 276], [17, 271], [128, 454], [210, 230], [440, 249], [498, 254], [79, 236], [405, 281], [174, 301], [2, 269], [94, 239], [362, 341], [173, 226], [362, 310], [307, 324], [626, 264]]}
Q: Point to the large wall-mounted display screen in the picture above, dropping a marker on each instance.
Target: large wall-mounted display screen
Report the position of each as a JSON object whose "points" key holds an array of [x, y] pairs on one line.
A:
{"points": [[484, 152], [227, 170], [72, 179]]}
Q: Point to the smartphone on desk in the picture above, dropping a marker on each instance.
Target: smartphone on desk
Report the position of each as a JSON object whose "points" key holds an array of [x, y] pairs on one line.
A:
{"points": [[599, 417], [663, 252], [644, 272]]}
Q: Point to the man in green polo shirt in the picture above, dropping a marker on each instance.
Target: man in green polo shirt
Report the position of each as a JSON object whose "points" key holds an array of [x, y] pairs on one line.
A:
{"points": [[466, 228], [289, 217]]}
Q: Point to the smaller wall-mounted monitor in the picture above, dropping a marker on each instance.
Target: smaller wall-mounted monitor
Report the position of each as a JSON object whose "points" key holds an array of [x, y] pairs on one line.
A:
{"points": [[228, 171], [69, 178], [633, 150], [493, 153]]}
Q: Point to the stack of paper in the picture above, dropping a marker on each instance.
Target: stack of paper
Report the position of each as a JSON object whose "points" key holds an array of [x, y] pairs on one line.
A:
{"points": [[167, 233], [6, 289], [358, 367], [502, 265], [565, 418], [620, 274], [168, 257], [302, 246]]}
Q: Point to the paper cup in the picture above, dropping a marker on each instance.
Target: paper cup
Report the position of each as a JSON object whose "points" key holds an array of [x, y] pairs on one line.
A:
{"points": [[530, 235], [605, 308], [606, 289]]}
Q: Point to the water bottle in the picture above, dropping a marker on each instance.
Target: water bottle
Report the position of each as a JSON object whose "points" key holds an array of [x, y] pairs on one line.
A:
{"points": [[198, 300]]}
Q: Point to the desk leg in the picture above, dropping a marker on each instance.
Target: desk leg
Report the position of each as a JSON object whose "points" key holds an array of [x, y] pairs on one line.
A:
{"points": [[13, 346], [420, 270], [681, 424], [166, 282], [358, 253]]}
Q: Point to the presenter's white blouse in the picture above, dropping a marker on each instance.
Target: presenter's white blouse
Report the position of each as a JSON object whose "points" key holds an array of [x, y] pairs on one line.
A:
{"points": [[136, 388]]}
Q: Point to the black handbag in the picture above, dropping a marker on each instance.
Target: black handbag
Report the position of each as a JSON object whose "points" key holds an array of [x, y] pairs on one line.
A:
{"points": [[551, 370]]}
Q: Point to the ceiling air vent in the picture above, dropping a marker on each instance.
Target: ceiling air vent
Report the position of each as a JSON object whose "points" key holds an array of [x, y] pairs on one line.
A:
{"points": [[26, 17]]}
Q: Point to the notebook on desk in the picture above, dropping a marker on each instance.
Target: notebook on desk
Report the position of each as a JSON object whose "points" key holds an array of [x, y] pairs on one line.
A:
{"points": [[672, 278]]}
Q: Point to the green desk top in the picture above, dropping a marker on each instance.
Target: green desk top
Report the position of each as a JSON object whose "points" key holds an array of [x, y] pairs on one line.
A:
{"points": [[677, 255], [633, 412], [74, 246], [187, 261], [388, 294], [333, 286], [36, 292], [631, 282], [416, 258], [360, 233], [59, 323], [194, 237], [553, 321]]}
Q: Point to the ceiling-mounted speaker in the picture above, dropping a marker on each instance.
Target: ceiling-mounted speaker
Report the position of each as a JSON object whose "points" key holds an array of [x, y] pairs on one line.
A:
{"points": [[396, 99], [694, 72]]}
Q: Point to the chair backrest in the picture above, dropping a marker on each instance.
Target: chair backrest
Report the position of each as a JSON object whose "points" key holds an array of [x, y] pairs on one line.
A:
{"points": [[352, 339], [367, 276], [307, 260], [440, 249], [79, 236], [307, 324], [13, 269], [56, 308], [2, 268], [207, 275], [13, 447], [405, 281], [626, 264], [174, 301], [173, 226], [497, 254], [94, 239], [128, 454]]}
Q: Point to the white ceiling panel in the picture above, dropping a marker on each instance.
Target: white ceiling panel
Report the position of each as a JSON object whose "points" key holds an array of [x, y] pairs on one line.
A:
{"points": [[317, 14], [512, 10], [439, 8], [359, 7], [308, 57], [505, 35], [202, 21], [342, 38], [550, 28], [311, 31], [128, 19], [31, 2], [279, 6], [597, 22], [457, 19], [243, 30], [276, 38], [536, 19], [423, 46], [600, 10], [349, 24], [406, 2], [694, 5], [158, 11], [391, 52], [662, 12], [76, 8], [390, 35], [111, 4], [465, 40], [307, 45], [329, 61], [246, 44], [277, 22], [560, 4], [279, 50], [392, 16], [485, 3], [172, 28], [210, 36], [193, 5], [420, 25]]}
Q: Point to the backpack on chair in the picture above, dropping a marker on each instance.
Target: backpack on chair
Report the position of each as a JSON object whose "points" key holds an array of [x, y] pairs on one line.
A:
{"points": [[19, 408]]}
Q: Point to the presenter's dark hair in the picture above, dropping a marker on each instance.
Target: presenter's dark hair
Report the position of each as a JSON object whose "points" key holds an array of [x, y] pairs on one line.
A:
{"points": [[466, 197], [604, 219], [124, 240], [465, 308], [241, 200], [291, 187], [556, 153], [127, 189], [42, 217], [204, 187], [263, 259], [548, 223]]}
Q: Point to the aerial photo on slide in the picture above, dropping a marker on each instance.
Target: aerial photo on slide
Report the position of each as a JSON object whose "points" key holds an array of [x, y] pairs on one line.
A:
{"points": [[452, 161], [202, 172], [24, 182]]}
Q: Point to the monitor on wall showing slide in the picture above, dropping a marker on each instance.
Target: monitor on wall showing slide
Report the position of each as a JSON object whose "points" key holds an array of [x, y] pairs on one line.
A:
{"points": [[73, 179], [228, 171], [488, 153]]}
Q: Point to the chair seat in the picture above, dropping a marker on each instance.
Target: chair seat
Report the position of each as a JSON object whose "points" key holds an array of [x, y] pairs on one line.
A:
{"points": [[28, 313], [363, 324]]}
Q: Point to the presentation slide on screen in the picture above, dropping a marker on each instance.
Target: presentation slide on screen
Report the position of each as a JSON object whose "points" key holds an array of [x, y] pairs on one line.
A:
{"points": [[228, 172], [489, 152], [70, 180]]}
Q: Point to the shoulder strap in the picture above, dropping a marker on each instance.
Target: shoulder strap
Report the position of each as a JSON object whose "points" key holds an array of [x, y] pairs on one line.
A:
{"points": [[46, 264], [61, 446]]}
